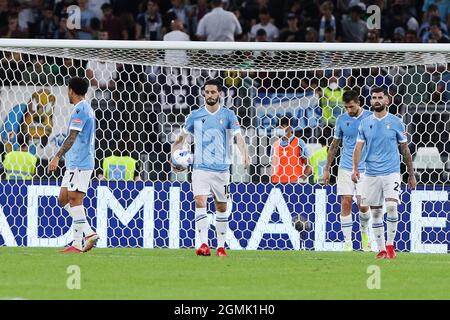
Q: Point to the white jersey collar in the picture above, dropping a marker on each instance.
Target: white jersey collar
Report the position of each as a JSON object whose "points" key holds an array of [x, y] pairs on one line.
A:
{"points": [[379, 119], [211, 113], [360, 115]]}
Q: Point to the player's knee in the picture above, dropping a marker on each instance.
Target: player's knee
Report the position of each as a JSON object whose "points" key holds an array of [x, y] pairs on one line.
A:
{"points": [[200, 203], [363, 209], [346, 204], [221, 207], [62, 201], [75, 201]]}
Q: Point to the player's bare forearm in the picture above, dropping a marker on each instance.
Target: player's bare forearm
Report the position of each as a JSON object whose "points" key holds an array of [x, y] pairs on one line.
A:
{"points": [[332, 153], [404, 150], [241, 145], [243, 149], [357, 155], [356, 158], [179, 141], [68, 143]]}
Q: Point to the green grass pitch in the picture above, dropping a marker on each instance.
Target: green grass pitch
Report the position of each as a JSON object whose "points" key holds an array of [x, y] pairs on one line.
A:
{"points": [[38, 273]]}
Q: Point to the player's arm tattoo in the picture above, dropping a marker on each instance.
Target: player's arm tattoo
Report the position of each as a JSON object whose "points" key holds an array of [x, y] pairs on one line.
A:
{"points": [[332, 152], [404, 150], [68, 143]]}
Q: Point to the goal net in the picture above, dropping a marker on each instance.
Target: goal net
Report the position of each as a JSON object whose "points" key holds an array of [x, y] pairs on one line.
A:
{"points": [[142, 92]]}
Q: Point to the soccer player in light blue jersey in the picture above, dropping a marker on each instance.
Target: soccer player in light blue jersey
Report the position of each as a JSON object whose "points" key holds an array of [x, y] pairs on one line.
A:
{"points": [[78, 149], [346, 131], [213, 128], [382, 134]]}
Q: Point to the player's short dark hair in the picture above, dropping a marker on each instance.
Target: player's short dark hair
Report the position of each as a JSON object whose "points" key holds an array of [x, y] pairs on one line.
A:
{"points": [[213, 82], [79, 85], [350, 95], [284, 122], [378, 90]]}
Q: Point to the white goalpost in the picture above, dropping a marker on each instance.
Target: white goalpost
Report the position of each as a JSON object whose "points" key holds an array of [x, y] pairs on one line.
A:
{"points": [[142, 91]]}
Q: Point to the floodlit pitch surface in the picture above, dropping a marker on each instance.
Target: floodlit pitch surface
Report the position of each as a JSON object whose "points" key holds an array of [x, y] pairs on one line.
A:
{"points": [[45, 273]]}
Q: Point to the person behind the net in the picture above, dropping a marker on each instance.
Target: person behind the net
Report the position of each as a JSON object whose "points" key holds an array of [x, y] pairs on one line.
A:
{"points": [[213, 128], [383, 134], [346, 130], [78, 151]]}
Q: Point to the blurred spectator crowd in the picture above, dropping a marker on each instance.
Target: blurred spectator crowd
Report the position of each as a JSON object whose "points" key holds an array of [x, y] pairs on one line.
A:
{"points": [[227, 20]]}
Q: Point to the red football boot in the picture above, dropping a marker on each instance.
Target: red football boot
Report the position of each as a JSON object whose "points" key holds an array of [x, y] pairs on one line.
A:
{"points": [[71, 249], [203, 250], [221, 252], [382, 254], [390, 250]]}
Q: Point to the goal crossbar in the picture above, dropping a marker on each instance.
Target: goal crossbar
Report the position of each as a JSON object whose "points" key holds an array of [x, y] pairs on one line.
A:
{"points": [[233, 55]]}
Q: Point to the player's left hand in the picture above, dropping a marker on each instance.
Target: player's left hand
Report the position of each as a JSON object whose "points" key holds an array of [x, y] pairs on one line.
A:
{"points": [[355, 176], [53, 165], [412, 183]]}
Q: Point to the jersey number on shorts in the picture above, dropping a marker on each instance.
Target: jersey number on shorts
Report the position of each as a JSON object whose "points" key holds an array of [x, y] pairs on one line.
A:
{"points": [[396, 186], [227, 191], [71, 176]]}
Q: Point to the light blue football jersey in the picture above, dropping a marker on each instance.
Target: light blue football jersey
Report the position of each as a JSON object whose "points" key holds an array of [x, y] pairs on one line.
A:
{"points": [[81, 155], [347, 131], [213, 137], [382, 137]]}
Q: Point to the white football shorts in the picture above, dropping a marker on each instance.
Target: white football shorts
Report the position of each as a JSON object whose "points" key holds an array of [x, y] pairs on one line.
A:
{"points": [[205, 183], [375, 190], [77, 180], [345, 184]]}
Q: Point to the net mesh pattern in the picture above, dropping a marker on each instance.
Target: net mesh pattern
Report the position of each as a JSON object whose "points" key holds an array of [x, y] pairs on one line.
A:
{"points": [[141, 99]]}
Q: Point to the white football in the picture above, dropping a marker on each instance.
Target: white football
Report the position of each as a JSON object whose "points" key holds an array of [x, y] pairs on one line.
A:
{"points": [[182, 159]]}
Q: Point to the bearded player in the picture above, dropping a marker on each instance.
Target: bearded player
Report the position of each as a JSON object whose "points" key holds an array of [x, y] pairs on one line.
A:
{"points": [[213, 127], [346, 131], [383, 134], [78, 149]]}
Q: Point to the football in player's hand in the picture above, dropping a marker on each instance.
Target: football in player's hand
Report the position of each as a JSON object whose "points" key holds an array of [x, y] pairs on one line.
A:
{"points": [[182, 159]]}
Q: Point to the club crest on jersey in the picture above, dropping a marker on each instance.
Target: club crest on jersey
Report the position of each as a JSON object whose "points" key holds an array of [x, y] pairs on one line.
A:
{"points": [[388, 125]]}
